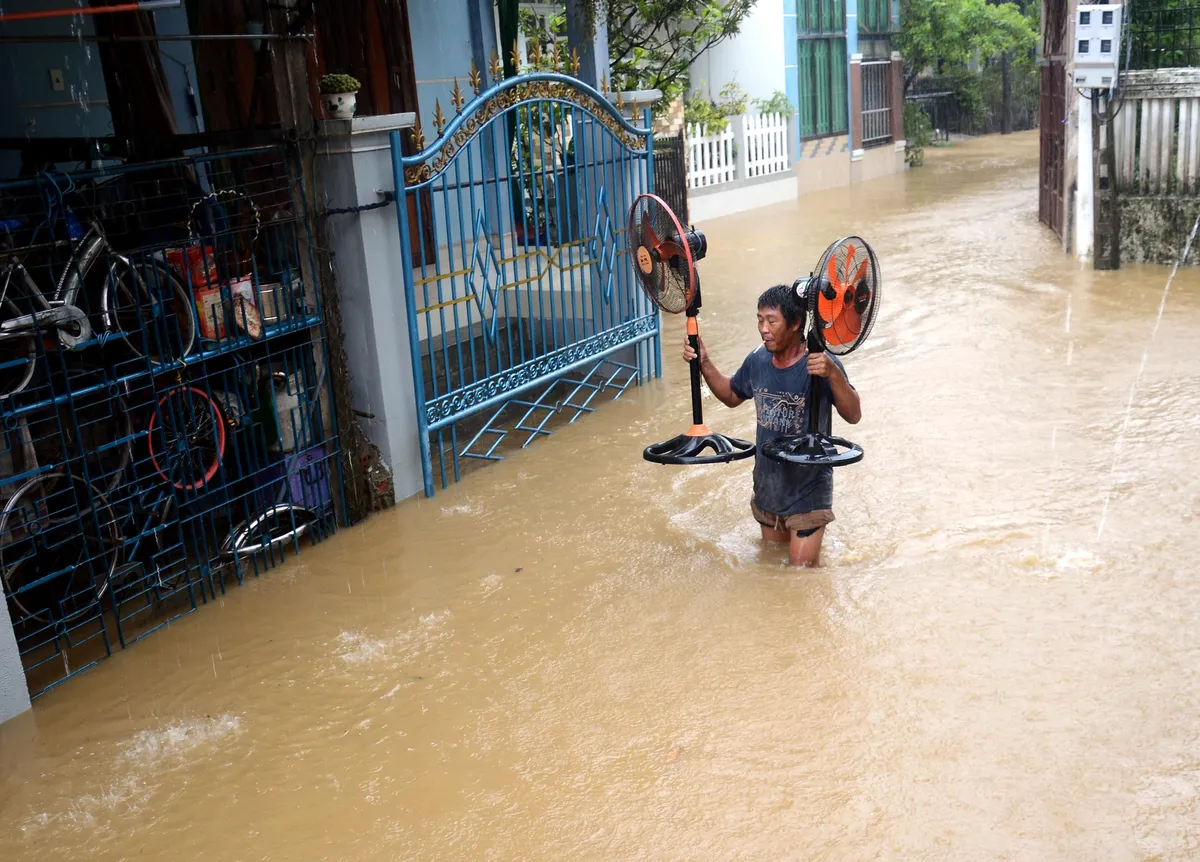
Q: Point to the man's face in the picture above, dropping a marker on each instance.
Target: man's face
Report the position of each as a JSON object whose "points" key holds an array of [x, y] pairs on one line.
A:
{"points": [[776, 334]]}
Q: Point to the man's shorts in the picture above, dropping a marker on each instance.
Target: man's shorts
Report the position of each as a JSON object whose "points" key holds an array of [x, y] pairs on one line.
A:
{"points": [[802, 524]]}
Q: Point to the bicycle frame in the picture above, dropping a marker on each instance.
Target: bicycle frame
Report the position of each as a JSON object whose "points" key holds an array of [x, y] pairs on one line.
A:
{"points": [[151, 508], [60, 312]]}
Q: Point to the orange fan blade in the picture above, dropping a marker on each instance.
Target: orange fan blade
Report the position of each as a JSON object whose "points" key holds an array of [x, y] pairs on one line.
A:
{"points": [[846, 328], [833, 273], [648, 238], [849, 262], [668, 250], [858, 276], [831, 309]]}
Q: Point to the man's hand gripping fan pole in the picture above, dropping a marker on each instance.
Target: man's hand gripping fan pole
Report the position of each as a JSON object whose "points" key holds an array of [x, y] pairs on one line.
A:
{"points": [[665, 257]]}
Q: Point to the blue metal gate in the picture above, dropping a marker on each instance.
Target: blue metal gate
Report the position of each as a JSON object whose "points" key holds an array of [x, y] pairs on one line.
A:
{"points": [[521, 305]]}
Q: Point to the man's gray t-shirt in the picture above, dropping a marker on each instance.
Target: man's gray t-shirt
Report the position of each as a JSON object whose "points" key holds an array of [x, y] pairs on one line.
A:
{"points": [[780, 399]]}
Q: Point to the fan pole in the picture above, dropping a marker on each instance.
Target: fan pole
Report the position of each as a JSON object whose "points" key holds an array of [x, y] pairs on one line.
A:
{"points": [[816, 391], [693, 332]]}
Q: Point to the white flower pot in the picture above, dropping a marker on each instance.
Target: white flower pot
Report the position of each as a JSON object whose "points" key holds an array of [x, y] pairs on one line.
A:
{"points": [[340, 105]]}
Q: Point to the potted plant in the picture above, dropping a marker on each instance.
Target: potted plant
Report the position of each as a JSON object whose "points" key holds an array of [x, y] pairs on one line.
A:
{"points": [[339, 91]]}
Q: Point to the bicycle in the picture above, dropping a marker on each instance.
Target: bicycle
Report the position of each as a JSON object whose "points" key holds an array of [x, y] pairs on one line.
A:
{"points": [[146, 298], [64, 542], [127, 304]]}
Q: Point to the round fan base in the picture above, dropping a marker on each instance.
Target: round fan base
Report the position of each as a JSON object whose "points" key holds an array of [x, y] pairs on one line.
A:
{"points": [[813, 450], [699, 449]]}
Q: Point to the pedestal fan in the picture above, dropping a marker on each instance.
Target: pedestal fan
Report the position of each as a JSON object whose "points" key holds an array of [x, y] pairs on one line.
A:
{"points": [[841, 298], [665, 257]]}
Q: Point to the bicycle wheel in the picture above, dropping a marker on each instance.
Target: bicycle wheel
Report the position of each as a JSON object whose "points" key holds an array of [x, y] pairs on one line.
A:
{"points": [[93, 427], [59, 546], [18, 350], [268, 529], [151, 307], [187, 438], [18, 355]]}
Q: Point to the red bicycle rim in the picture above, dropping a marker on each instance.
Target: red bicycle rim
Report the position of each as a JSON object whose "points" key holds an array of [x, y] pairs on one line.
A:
{"points": [[211, 469]]}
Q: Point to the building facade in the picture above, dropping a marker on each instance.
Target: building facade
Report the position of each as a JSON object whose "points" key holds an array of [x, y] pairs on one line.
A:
{"points": [[834, 60], [1119, 169]]}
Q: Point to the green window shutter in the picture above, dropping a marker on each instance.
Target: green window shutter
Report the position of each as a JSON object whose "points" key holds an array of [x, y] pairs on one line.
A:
{"points": [[804, 66], [840, 124], [821, 64], [822, 100]]}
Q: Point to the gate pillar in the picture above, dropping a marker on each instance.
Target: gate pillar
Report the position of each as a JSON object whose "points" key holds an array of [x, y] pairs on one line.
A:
{"points": [[355, 161]]}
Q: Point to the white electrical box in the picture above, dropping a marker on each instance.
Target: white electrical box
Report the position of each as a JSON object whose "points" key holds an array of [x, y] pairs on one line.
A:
{"points": [[1097, 46]]}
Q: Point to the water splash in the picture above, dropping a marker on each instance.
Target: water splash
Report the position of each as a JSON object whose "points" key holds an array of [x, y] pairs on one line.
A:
{"points": [[139, 775], [1120, 442], [360, 648]]}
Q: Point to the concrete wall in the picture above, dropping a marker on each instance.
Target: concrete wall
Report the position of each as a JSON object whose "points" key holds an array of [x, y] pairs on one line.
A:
{"points": [[754, 58], [822, 164], [30, 107], [1155, 229], [791, 69], [740, 195], [179, 67], [878, 162], [14, 694], [441, 43], [354, 161]]}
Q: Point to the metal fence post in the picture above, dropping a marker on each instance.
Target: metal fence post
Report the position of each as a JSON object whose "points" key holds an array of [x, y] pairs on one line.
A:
{"points": [[856, 107]]}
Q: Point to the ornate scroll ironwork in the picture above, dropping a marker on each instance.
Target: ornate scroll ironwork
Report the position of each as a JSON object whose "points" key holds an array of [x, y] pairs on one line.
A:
{"points": [[445, 149]]}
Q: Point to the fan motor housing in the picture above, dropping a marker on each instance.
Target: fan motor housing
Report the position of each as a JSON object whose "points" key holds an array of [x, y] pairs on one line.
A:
{"points": [[697, 243]]}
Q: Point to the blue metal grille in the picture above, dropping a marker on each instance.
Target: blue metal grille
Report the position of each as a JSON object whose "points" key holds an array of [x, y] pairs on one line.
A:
{"points": [[521, 277], [163, 396]]}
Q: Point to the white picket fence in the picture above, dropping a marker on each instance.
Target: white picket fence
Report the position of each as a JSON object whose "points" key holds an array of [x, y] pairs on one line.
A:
{"points": [[1156, 135], [710, 156], [752, 145], [766, 144]]}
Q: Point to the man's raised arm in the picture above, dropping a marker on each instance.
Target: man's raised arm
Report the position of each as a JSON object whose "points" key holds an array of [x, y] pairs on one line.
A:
{"points": [[717, 382]]}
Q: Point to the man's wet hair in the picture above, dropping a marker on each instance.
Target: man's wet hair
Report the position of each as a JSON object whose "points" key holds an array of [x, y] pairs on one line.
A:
{"points": [[783, 298]]}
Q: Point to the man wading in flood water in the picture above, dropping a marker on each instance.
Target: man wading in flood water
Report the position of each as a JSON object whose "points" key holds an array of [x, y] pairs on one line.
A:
{"points": [[792, 502]]}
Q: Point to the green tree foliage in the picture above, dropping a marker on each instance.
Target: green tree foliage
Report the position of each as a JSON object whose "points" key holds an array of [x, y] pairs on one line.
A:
{"points": [[1164, 34], [652, 43], [715, 115], [951, 32], [702, 112], [918, 134], [777, 104]]}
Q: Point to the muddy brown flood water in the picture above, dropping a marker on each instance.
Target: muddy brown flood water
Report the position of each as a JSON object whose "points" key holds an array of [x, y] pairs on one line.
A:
{"points": [[575, 654]]}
